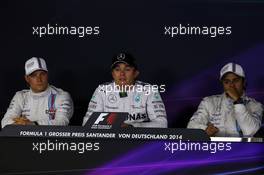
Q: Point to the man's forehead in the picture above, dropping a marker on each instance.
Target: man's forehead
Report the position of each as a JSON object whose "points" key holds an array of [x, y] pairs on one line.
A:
{"points": [[37, 72], [230, 75], [123, 65]]}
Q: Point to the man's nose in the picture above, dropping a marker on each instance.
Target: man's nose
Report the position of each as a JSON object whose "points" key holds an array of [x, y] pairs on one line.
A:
{"points": [[38, 77], [122, 73], [231, 84]]}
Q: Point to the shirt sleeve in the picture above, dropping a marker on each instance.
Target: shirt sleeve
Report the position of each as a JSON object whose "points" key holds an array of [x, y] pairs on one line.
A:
{"points": [[14, 110], [156, 112], [95, 104], [249, 117], [64, 111], [199, 120]]}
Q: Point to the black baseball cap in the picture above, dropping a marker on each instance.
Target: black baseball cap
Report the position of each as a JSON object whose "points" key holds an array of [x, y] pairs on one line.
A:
{"points": [[125, 58]]}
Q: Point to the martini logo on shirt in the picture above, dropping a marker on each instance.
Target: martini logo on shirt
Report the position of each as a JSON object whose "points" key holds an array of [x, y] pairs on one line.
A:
{"points": [[51, 113]]}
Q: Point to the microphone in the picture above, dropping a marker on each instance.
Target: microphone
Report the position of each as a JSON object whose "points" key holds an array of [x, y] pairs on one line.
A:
{"points": [[122, 94]]}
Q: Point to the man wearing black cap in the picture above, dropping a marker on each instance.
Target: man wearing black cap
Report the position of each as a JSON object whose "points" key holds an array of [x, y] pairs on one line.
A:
{"points": [[125, 94]]}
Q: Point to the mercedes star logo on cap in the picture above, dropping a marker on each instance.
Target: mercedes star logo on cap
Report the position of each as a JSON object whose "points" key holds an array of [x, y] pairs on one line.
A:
{"points": [[121, 56]]}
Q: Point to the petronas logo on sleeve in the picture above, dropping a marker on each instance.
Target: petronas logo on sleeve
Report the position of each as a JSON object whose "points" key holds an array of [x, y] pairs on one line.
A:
{"points": [[157, 96], [137, 98]]}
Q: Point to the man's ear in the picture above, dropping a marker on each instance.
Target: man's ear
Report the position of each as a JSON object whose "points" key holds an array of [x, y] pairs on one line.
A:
{"points": [[136, 74], [245, 84], [26, 78]]}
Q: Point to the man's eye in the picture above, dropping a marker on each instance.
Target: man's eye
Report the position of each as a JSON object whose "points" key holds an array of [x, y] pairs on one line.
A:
{"points": [[236, 80], [227, 81]]}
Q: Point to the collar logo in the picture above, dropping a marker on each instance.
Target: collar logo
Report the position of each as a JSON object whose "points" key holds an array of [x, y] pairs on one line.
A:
{"points": [[121, 56]]}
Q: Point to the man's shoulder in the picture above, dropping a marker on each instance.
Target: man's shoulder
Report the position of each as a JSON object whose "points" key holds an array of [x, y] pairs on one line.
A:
{"points": [[143, 86], [20, 96], [102, 88], [252, 101], [107, 83], [58, 91], [142, 83], [22, 92], [213, 98]]}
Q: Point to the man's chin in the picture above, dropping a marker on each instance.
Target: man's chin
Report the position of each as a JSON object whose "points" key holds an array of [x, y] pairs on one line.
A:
{"points": [[39, 90], [122, 83]]}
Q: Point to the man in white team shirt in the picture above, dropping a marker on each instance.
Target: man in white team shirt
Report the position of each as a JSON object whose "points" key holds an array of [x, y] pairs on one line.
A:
{"points": [[145, 108], [231, 113], [42, 104]]}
